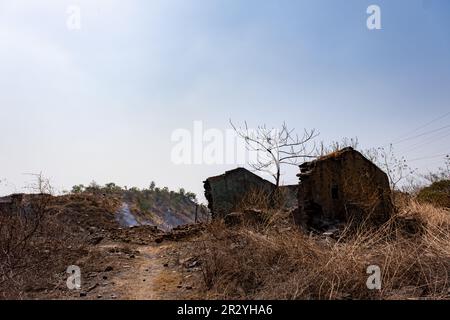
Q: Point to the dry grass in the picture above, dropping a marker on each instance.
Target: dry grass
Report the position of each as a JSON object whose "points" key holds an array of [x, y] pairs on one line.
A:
{"points": [[279, 262], [262, 199]]}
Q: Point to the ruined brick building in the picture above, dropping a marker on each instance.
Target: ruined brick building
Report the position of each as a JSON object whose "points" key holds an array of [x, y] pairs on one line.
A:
{"points": [[225, 192], [20, 203], [11, 203], [342, 186], [339, 187]]}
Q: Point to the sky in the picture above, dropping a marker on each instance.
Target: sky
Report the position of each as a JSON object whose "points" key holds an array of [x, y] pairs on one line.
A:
{"points": [[102, 102]]}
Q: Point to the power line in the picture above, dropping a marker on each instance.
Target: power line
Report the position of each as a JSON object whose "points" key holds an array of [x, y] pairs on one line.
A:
{"points": [[427, 141], [435, 162], [430, 157], [422, 134], [424, 125]]}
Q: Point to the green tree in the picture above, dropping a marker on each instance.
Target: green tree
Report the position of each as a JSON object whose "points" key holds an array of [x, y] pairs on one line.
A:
{"points": [[78, 189], [191, 196], [112, 187]]}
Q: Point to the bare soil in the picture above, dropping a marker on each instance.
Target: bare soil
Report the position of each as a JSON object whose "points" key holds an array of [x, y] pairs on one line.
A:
{"points": [[154, 271]]}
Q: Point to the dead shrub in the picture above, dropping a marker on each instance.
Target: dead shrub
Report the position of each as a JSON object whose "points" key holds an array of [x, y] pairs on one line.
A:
{"points": [[34, 247], [255, 199]]}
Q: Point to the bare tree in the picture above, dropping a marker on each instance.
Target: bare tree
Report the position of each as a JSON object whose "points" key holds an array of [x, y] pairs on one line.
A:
{"points": [[276, 147], [41, 184], [396, 168], [442, 173]]}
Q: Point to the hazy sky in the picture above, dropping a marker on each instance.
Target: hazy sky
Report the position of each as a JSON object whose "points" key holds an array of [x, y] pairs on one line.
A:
{"points": [[101, 103]]}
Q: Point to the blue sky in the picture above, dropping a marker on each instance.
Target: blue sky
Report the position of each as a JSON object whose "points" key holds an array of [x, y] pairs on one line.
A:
{"points": [[101, 103]]}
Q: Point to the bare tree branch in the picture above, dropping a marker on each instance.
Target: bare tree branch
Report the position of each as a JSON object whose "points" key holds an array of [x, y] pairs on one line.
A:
{"points": [[276, 147]]}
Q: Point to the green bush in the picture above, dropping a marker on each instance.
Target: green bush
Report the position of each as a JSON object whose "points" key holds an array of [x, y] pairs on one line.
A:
{"points": [[438, 194]]}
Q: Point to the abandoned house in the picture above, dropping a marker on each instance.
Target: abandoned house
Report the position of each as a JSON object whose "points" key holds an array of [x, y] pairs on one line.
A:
{"points": [[340, 187], [22, 203], [11, 203], [335, 188], [226, 192]]}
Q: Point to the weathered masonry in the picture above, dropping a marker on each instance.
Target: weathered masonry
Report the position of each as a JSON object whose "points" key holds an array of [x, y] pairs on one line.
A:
{"points": [[11, 203], [225, 192], [20, 203], [340, 187]]}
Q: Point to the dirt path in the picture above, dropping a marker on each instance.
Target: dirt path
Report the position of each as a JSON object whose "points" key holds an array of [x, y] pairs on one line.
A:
{"points": [[148, 279], [157, 272]]}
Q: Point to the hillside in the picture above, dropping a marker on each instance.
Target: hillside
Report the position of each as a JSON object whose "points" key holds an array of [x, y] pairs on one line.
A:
{"points": [[153, 206]]}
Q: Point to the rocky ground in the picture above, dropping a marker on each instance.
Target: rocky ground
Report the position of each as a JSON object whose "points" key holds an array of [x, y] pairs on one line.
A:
{"points": [[137, 263]]}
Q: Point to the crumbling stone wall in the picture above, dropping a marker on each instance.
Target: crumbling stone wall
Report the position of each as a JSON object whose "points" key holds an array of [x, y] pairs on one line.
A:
{"points": [[225, 192], [342, 186], [289, 196], [11, 204], [21, 203]]}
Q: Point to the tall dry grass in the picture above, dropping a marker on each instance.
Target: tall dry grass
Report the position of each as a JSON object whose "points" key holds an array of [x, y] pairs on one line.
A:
{"points": [[277, 261]]}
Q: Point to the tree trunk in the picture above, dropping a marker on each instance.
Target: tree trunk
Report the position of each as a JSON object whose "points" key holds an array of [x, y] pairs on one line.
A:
{"points": [[278, 179]]}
